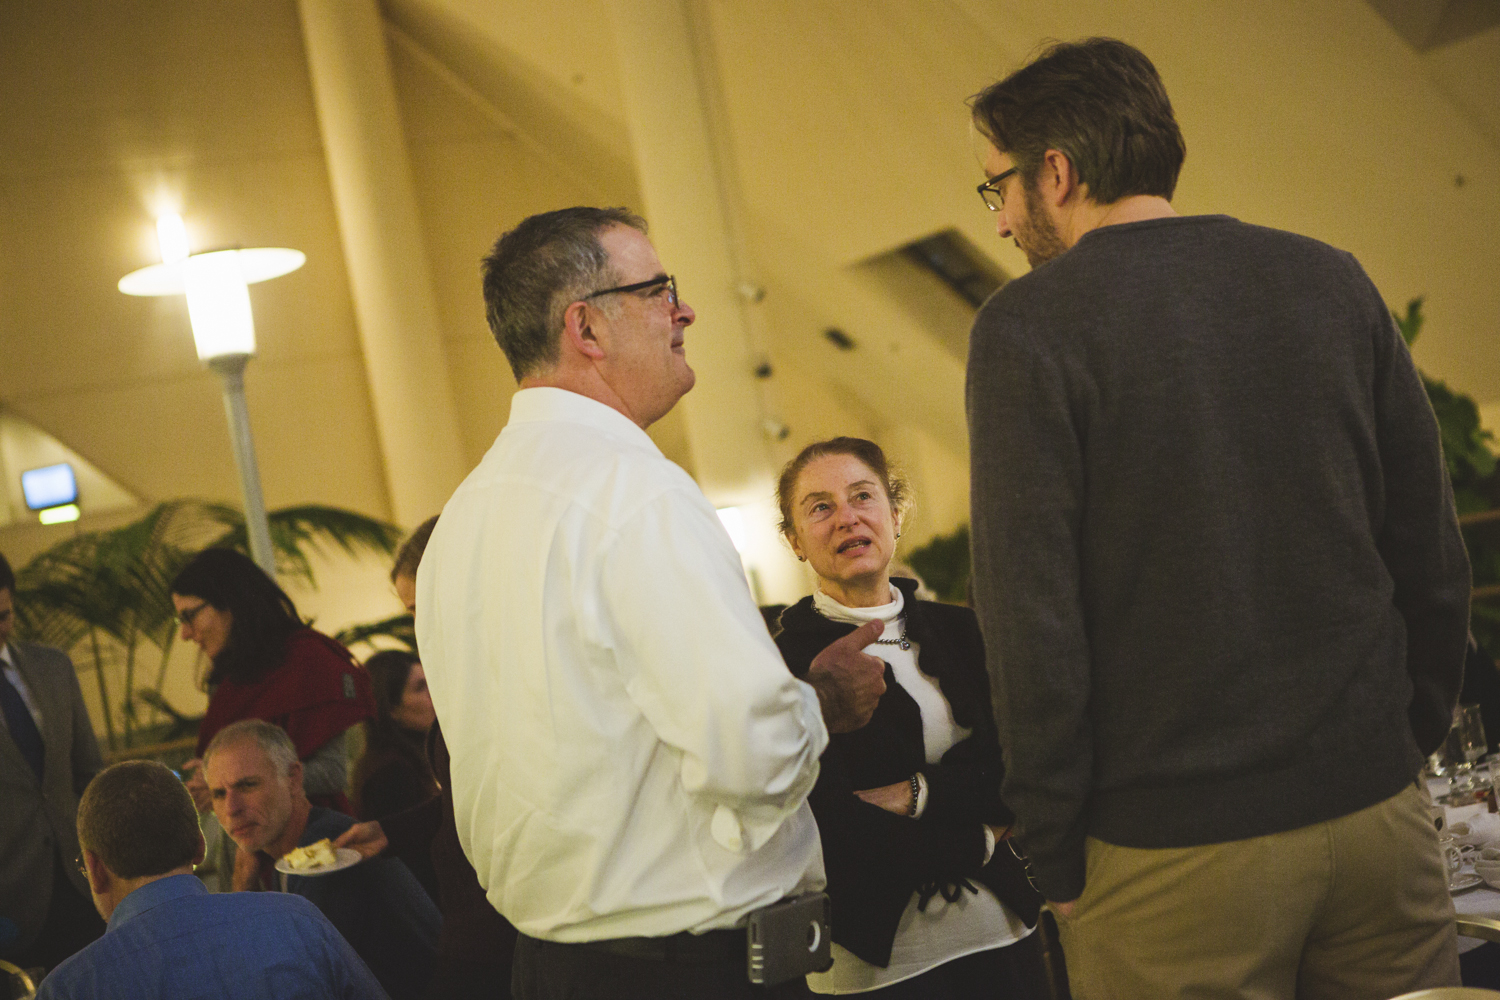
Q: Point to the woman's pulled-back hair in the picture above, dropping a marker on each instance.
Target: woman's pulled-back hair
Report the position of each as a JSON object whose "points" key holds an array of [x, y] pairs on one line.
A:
{"points": [[896, 489], [264, 617]]}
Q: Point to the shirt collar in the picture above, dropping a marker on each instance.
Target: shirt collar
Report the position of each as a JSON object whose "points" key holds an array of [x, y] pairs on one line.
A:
{"points": [[548, 403], [154, 894], [5, 656]]}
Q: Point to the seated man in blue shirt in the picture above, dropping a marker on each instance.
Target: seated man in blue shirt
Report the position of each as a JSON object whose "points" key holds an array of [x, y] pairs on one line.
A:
{"points": [[379, 907], [167, 936]]}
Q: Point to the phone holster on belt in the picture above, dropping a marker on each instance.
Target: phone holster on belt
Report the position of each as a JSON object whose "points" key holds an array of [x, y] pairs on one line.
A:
{"points": [[789, 939]]}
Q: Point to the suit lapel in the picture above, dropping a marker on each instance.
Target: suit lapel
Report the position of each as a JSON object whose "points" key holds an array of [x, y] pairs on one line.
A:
{"points": [[15, 762], [48, 701]]}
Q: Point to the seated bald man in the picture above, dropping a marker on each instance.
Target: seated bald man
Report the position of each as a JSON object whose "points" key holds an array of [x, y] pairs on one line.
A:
{"points": [[168, 936], [255, 781]]}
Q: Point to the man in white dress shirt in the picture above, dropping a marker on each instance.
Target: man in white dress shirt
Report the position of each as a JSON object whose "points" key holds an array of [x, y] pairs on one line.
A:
{"points": [[631, 756]]}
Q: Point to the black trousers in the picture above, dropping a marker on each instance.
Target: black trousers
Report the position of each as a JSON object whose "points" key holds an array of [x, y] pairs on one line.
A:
{"points": [[545, 970]]}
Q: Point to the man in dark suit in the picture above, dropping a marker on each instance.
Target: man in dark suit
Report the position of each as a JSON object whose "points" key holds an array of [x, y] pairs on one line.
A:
{"points": [[47, 755]]}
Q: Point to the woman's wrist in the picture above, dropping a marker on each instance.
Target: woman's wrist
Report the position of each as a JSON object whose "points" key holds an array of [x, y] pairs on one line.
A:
{"points": [[918, 796]]}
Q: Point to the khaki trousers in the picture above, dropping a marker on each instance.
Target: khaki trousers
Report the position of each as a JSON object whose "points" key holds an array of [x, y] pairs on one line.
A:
{"points": [[1356, 908]]}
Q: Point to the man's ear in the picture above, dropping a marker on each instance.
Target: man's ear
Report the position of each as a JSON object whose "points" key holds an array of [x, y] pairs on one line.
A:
{"points": [[578, 331], [294, 778], [99, 877], [1057, 180], [202, 851]]}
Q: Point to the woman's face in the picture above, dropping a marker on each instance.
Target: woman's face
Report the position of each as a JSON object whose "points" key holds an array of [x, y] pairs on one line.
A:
{"points": [[415, 710], [842, 523], [203, 623]]}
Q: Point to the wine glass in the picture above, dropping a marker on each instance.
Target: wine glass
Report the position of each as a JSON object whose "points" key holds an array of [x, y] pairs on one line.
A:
{"points": [[1471, 733], [1465, 744]]}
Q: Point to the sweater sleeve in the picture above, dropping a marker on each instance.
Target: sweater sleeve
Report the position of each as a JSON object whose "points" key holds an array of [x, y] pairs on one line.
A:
{"points": [[965, 785], [1026, 499], [1419, 538]]}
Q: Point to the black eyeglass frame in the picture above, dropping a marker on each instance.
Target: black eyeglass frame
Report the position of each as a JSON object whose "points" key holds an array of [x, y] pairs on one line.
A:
{"points": [[991, 187], [670, 280], [190, 616]]}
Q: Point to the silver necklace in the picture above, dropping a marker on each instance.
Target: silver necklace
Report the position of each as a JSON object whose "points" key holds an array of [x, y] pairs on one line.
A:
{"points": [[903, 642]]}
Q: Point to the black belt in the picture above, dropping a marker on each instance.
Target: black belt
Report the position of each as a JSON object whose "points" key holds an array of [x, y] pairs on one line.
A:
{"points": [[681, 949]]}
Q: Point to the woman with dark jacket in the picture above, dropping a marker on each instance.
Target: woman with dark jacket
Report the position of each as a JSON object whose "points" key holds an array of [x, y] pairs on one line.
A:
{"points": [[928, 899], [394, 773]]}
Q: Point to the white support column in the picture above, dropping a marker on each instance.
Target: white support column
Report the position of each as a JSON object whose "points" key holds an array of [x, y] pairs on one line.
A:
{"points": [[415, 415], [667, 111]]}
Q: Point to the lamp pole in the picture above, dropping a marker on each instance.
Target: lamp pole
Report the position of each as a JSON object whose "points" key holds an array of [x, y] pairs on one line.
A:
{"points": [[218, 301], [231, 368]]}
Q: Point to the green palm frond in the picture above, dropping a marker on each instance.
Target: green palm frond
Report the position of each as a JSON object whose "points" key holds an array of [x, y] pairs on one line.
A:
{"points": [[298, 531], [401, 628], [101, 593]]}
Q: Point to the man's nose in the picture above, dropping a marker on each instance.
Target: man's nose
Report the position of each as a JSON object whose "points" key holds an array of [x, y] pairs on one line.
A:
{"points": [[685, 314]]}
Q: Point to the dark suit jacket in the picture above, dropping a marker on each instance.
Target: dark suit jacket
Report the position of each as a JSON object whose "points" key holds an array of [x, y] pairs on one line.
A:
{"points": [[877, 860], [37, 818]]}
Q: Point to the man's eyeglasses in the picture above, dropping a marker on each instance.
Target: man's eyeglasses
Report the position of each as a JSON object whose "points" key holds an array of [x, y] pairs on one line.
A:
{"points": [[991, 192], [186, 616], [640, 286]]}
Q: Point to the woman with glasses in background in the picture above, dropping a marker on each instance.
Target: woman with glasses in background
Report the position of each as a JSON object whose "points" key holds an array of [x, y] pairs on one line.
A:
{"points": [[267, 664]]}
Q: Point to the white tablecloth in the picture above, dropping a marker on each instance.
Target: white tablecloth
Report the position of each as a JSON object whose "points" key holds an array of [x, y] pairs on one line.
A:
{"points": [[1484, 826]]}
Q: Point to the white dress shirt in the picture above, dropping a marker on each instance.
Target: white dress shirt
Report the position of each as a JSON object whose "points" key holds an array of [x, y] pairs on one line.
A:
{"points": [[631, 756]]}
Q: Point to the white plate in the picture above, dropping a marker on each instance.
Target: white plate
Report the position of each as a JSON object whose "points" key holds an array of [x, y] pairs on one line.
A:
{"points": [[1459, 883], [347, 858]]}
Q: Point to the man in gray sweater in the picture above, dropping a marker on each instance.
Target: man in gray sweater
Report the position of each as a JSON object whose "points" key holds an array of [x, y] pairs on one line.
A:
{"points": [[1217, 566]]}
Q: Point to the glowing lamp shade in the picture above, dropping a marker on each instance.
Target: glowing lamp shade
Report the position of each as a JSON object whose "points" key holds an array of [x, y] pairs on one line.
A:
{"points": [[218, 304], [214, 283], [172, 238]]}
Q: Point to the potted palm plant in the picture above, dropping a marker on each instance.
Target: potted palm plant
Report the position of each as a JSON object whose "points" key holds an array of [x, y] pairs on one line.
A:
{"points": [[103, 596]]}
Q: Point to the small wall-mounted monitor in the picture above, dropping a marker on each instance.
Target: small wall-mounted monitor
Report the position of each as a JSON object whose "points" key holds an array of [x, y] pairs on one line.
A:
{"points": [[49, 486]]}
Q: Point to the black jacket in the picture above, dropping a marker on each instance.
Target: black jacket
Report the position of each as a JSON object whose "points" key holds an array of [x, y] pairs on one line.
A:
{"points": [[875, 859]]}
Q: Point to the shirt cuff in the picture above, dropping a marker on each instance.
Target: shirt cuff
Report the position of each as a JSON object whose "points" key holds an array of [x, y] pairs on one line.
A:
{"points": [[921, 805]]}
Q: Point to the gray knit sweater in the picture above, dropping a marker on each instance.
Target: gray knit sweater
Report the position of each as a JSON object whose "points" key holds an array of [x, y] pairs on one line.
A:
{"points": [[1216, 560]]}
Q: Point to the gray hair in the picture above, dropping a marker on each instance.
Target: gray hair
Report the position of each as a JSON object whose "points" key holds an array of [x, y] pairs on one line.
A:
{"points": [[538, 269], [271, 739]]}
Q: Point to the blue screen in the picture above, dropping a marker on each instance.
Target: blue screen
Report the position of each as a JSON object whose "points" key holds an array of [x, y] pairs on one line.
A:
{"points": [[49, 486]]}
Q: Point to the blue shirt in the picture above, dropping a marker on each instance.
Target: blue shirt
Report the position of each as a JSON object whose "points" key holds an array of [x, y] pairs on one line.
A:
{"points": [[175, 940], [379, 907]]}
